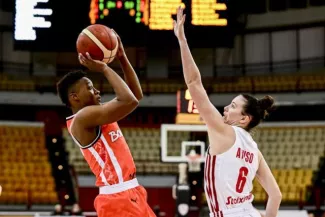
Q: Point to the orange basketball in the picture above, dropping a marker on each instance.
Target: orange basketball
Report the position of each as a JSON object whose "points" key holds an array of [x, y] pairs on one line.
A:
{"points": [[99, 41]]}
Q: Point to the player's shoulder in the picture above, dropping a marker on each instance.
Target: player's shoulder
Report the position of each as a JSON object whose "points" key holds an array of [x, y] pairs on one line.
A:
{"points": [[239, 131], [69, 118], [245, 137], [68, 121]]}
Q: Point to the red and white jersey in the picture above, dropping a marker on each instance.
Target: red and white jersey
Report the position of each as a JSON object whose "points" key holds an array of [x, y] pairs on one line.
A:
{"points": [[229, 176], [108, 156]]}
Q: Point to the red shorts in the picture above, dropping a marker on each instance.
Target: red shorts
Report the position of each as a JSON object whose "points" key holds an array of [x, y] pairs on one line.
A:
{"points": [[128, 203]]}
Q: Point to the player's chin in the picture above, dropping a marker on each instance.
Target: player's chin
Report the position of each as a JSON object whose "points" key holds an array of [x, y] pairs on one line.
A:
{"points": [[227, 121], [97, 100], [224, 119], [94, 102]]}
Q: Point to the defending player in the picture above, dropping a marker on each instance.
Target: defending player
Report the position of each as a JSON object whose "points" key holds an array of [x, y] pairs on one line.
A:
{"points": [[94, 129], [233, 158]]}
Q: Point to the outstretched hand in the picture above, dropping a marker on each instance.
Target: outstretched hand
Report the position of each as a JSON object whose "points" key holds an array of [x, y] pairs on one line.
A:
{"points": [[92, 65], [179, 24]]}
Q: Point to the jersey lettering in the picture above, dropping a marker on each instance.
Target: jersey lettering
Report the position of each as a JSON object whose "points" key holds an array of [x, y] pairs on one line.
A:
{"points": [[231, 200], [245, 155], [115, 135]]}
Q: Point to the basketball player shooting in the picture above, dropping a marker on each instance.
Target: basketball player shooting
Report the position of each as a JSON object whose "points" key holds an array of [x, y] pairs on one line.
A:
{"points": [[93, 126], [233, 158]]}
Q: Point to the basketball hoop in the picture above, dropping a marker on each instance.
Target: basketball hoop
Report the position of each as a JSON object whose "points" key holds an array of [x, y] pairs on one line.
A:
{"points": [[193, 160]]}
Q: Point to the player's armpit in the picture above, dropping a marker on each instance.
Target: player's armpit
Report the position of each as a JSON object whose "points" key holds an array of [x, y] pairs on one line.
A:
{"points": [[97, 115]]}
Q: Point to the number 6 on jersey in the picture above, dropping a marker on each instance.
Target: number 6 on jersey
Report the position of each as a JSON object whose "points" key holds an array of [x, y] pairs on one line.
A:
{"points": [[241, 181]]}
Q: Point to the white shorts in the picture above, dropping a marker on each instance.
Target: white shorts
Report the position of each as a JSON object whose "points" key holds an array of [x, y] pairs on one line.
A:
{"points": [[246, 211]]}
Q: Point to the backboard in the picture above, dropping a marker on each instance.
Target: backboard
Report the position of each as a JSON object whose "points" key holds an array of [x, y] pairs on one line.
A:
{"points": [[177, 141]]}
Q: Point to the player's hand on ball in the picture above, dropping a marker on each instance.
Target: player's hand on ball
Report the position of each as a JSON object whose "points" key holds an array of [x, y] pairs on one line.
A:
{"points": [[179, 24], [92, 65], [120, 51]]}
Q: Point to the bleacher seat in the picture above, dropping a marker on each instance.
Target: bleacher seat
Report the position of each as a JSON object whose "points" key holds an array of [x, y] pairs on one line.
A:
{"points": [[241, 84], [293, 154], [315, 82], [274, 83], [26, 173]]}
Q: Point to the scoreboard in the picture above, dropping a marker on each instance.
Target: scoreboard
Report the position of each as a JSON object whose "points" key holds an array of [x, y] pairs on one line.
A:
{"points": [[187, 112], [54, 25], [157, 14]]}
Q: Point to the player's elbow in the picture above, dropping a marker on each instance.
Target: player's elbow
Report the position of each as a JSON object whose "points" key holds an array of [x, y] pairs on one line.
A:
{"points": [[276, 195], [130, 104], [129, 99], [139, 96], [133, 102], [194, 80]]}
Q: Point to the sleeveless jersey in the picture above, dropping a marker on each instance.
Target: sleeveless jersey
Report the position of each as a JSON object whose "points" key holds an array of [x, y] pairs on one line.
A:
{"points": [[108, 156], [229, 176]]}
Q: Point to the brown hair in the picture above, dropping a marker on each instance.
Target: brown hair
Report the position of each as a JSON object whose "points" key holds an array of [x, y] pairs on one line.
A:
{"points": [[258, 109]]}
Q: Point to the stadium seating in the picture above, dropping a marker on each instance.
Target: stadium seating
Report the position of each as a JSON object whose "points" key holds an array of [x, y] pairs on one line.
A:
{"points": [[293, 154], [316, 82], [16, 84], [276, 83], [241, 84], [26, 174]]}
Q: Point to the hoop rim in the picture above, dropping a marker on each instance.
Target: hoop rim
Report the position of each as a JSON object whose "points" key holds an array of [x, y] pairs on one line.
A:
{"points": [[193, 157]]}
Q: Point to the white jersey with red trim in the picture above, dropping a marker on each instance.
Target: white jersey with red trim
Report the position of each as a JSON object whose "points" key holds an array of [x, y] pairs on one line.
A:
{"points": [[229, 176]]}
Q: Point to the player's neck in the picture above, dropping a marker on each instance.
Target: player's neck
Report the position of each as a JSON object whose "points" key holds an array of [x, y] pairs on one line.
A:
{"points": [[236, 124], [75, 110]]}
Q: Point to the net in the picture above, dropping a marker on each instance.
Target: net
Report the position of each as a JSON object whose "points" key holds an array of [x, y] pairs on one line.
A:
{"points": [[194, 161]]}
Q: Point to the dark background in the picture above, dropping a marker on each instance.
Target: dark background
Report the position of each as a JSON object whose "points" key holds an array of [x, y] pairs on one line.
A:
{"points": [[68, 22]]}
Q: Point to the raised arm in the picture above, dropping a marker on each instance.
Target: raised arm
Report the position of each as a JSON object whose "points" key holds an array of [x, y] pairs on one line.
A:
{"points": [[268, 182], [130, 76], [207, 110], [109, 112]]}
